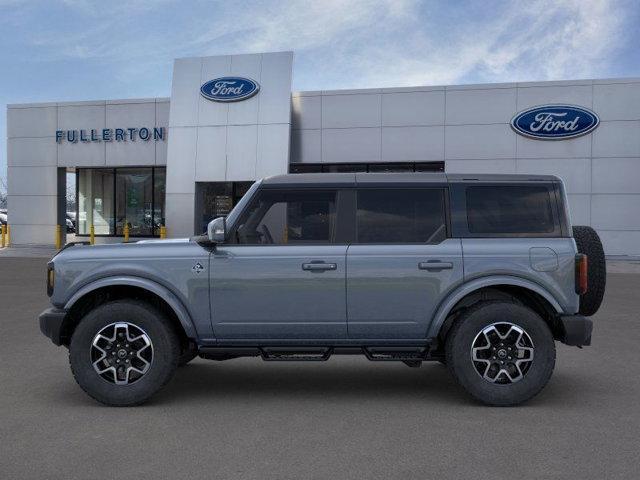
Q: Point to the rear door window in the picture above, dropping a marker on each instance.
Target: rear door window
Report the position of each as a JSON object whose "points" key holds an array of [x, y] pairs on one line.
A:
{"points": [[401, 215], [512, 209]]}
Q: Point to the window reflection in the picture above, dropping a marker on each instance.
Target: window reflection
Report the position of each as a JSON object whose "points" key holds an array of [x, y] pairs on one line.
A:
{"points": [[111, 198]]}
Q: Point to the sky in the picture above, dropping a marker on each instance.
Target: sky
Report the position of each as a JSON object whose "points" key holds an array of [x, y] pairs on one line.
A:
{"points": [[88, 50]]}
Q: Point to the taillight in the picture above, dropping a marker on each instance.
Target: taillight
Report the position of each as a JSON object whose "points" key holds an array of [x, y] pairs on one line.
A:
{"points": [[582, 281]]}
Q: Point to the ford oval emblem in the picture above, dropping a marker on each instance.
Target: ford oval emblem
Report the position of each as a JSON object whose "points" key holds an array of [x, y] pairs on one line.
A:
{"points": [[555, 122], [229, 89]]}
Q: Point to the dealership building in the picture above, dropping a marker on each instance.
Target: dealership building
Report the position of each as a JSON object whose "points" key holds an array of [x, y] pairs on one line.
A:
{"points": [[181, 161]]}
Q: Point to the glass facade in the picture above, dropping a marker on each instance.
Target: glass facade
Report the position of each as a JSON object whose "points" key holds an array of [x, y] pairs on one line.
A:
{"points": [[216, 199], [110, 198]]}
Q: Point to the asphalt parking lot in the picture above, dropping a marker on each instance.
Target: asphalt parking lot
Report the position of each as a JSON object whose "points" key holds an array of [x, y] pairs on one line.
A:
{"points": [[345, 418]]}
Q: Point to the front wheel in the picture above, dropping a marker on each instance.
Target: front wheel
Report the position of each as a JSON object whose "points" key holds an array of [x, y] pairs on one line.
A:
{"points": [[123, 352], [502, 353]]}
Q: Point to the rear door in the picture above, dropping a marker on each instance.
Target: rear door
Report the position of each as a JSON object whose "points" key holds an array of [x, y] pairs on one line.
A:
{"points": [[402, 262]]}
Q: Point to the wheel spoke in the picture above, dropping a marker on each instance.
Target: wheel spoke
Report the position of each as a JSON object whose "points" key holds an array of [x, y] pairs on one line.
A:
{"points": [[502, 353], [116, 347]]}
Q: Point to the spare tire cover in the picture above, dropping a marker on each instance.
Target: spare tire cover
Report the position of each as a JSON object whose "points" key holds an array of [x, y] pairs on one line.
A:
{"points": [[588, 242]]}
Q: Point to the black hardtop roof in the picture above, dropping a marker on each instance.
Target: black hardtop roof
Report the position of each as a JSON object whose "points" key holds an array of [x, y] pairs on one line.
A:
{"points": [[353, 179]]}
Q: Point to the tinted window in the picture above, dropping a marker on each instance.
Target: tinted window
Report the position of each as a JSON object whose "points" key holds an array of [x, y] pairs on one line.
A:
{"points": [[509, 209], [289, 217], [401, 216]]}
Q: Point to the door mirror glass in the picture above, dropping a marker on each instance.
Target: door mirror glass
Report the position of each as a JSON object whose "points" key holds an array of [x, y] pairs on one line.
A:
{"points": [[217, 230]]}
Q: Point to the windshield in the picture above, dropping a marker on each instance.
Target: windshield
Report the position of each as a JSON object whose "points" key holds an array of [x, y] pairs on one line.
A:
{"points": [[235, 212]]}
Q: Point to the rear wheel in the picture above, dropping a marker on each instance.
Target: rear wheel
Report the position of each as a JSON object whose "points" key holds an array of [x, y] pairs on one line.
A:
{"points": [[502, 353], [123, 352]]}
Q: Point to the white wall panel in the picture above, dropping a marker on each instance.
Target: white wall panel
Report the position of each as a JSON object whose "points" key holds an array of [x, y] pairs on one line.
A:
{"points": [[32, 122], [275, 96], [620, 242], [615, 212], [181, 171], [32, 180], [617, 139], [479, 141], [346, 111], [130, 153], [211, 156], [480, 166], [575, 172], [570, 148], [306, 112], [496, 105], [617, 102], [125, 115], [81, 154], [36, 152], [33, 210], [351, 145], [246, 111], [580, 209], [185, 92], [82, 117], [412, 108], [616, 175], [241, 152], [162, 120], [212, 113], [42, 234], [412, 143], [306, 146], [180, 211], [273, 150], [541, 95]]}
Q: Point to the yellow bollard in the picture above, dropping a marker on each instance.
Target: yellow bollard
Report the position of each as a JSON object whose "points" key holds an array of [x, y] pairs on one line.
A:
{"points": [[163, 231], [8, 235], [126, 232], [3, 234], [92, 235], [58, 237]]}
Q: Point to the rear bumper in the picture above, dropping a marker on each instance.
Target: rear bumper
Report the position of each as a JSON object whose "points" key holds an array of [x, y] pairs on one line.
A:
{"points": [[576, 330], [51, 324]]}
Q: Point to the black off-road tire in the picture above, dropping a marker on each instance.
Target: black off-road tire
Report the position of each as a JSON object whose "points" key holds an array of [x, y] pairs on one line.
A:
{"points": [[588, 242], [166, 352], [459, 357]]}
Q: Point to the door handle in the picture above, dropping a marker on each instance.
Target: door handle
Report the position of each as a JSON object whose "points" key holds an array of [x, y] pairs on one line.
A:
{"points": [[318, 266], [435, 265]]}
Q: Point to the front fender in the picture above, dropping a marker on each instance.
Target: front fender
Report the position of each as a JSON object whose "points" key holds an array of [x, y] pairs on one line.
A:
{"points": [[153, 287], [454, 297]]}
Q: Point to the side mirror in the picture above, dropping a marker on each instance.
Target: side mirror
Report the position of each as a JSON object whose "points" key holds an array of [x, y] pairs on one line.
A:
{"points": [[217, 230]]}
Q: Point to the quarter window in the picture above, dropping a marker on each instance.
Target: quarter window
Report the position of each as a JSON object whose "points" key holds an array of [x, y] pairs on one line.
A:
{"points": [[401, 216], [509, 209], [289, 218]]}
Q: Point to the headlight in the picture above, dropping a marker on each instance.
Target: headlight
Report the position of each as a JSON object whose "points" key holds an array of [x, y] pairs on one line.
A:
{"points": [[51, 278]]}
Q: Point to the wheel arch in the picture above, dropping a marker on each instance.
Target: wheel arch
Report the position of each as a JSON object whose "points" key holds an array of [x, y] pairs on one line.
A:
{"points": [[525, 291], [121, 287]]}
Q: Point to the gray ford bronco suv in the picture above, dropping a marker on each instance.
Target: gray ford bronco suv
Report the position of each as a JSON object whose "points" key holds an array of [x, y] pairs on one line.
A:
{"points": [[482, 273]]}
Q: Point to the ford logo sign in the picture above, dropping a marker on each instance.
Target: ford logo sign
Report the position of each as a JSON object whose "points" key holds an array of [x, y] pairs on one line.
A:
{"points": [[555, 122], [229, 89]]}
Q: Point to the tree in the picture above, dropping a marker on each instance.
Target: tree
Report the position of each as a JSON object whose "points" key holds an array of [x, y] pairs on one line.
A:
{"points": [[3, 193]]}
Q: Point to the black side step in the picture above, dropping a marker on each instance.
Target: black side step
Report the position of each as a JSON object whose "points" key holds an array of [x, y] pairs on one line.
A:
{"points": [[302, 354], [395, 354]]}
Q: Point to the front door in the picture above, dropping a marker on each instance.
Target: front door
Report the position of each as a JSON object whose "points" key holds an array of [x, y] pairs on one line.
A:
{"points": [[282, 275], [401, 264]]}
